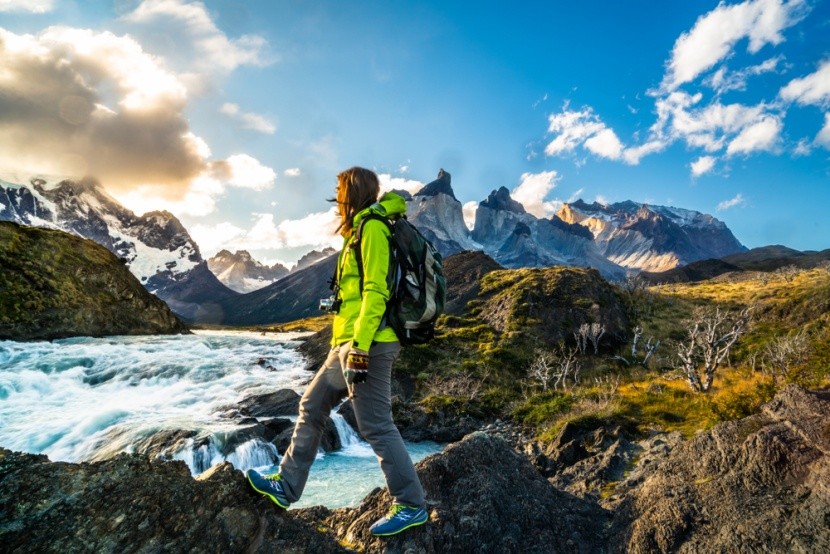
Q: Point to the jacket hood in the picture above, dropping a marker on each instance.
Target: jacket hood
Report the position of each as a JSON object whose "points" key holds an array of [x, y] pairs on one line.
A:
{"points": [[390, 205]]}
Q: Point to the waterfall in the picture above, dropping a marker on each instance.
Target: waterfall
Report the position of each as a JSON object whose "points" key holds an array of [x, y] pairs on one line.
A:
{"points": [[253, 453], [351, 443]]}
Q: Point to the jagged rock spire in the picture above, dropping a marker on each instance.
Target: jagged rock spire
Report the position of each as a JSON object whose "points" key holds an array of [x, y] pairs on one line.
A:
{"points": [[441, 185]]}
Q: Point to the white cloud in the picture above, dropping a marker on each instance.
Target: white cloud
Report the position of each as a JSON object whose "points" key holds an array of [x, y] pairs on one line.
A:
{"points": [[33, 6], [633, 155], [823, 137], [601, 200], [703, 164], [186, 33], [249, 120], [803, 148], [572, 129], [812, 89], [403, 169], [716, 33], [469, 212], [292, 172], [315, 230], [388, 182], [248, 172], [533, 189], [723, 81], [576, 195], [760, 136], [731, 203], [605, 144]]}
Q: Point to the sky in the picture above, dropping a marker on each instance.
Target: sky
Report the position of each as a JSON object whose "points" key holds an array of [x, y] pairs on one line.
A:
{"points": [[236, 116]]}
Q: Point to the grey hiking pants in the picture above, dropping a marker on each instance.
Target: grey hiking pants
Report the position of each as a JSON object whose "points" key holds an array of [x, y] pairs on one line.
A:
{"points": [[372, 403]]}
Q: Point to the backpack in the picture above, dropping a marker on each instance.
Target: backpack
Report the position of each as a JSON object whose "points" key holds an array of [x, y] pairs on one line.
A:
{"points": [[417, 284]]}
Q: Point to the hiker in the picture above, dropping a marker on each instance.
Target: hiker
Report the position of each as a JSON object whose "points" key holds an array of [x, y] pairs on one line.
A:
{"points": [[359, 363]]}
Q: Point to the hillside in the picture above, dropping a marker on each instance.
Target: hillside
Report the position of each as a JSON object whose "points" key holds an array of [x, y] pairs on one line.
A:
{"points": [[55, 285]]}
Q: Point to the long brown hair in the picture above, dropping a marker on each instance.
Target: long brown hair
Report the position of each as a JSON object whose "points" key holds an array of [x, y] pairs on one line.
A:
{"points": [[357, 189]]}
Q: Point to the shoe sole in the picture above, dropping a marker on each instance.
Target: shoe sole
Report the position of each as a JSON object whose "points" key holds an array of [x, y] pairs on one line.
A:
{"points": [[269, 495], [401, 530]]}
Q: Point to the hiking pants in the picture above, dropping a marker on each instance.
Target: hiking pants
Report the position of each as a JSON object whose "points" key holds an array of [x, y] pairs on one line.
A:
{"points": [[372, 403]]}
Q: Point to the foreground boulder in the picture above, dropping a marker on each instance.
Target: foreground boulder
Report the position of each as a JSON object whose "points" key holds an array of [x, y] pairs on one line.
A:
{"points": [[758, 484], [130, 504], [761, 484], [483, 497]]}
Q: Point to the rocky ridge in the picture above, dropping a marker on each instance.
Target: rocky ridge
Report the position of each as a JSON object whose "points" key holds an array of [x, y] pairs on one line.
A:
{"points": [[757, 484], [156, 247], [56, 285]]}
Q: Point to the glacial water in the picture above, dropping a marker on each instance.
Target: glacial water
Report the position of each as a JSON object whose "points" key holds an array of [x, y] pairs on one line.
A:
{"points": [[87, 399]]}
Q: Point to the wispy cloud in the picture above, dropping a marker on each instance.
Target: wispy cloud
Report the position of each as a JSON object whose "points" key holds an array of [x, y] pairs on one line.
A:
{"points": [[292, 172], [315, 230], [705, 122], [715, 35], [723, 80], [810, 89], [469, 212], [823, 137], [249, 120], [185, 32], [532, 191], [33, 6], [388, 182], [702, 165], [760, 136], [731, 203]]}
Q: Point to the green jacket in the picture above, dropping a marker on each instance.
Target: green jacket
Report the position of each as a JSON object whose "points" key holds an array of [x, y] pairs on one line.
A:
{"points": [[360, 316]]}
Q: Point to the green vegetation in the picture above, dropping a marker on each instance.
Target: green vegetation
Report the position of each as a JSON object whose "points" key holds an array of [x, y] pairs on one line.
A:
{"points": [[480, 363], [53, 284]]}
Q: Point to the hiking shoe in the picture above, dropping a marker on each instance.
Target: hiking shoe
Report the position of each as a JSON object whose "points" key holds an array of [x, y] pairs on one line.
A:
{"points": [[400, 518], [270, 486]]}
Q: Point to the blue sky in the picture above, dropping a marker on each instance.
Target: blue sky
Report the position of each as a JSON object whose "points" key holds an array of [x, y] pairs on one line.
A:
{"points": [[236, 116]]}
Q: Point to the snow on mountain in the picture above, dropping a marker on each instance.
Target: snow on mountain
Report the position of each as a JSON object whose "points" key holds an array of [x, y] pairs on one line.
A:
{"points": [[155, 246], [240, 272], [652, 238]]}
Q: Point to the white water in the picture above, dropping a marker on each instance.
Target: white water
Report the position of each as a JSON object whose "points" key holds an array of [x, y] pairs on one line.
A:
{"points": [[86, 399]]}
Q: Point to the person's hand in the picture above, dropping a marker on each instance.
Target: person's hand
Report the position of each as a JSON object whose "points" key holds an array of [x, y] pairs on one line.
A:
{"points": [[357, 366]]}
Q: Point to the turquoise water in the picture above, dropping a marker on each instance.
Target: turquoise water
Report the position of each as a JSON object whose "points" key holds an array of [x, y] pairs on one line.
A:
{"points": [[86, 399]]}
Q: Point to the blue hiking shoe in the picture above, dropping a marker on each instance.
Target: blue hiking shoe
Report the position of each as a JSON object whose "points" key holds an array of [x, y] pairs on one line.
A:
{"points": [[270, 486], [400, 518]]}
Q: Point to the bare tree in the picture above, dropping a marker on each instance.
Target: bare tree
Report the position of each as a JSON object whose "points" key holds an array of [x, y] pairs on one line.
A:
{"points": [[589, 333], [651, 347], [711, 336], [607, 386], [781, 355], [555, 368]]}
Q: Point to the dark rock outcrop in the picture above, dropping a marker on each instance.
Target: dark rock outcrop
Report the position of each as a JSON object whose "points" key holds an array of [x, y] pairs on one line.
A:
{"points": [[130, 504], [55, 285], [545, 306], [483, 497], [463, 272], [758, 484], [284, 402], [280, 403]]}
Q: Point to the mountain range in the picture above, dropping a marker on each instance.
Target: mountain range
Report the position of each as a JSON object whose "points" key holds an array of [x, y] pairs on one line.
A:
{"points": [[155, 246], [615, 239]]}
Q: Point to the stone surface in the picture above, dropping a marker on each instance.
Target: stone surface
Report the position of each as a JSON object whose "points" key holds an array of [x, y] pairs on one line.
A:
{"points": [[55, 285]]}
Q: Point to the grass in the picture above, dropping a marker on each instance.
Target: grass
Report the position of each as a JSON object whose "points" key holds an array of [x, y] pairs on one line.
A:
{"points": [[637, 398]]}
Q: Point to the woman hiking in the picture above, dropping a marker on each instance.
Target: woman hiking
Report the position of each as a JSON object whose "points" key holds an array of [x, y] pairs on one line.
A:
{"points": [[359, 363]]}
